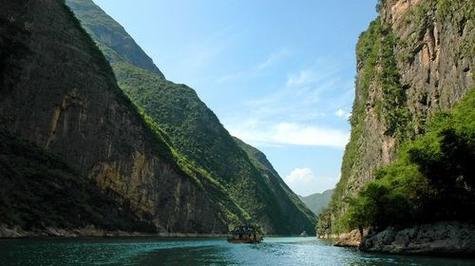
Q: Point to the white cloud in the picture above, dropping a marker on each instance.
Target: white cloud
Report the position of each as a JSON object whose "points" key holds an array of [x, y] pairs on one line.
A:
{"points": [[292, 133], [295, 113], [304, 182], [342, 113], [299, 175], [284, 133]]}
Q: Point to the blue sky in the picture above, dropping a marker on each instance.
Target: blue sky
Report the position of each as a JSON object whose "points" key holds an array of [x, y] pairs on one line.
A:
{"points": [[279, 74]]}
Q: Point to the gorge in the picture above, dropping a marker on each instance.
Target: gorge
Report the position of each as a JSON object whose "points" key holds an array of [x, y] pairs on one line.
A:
{"points": [[95, 141]]}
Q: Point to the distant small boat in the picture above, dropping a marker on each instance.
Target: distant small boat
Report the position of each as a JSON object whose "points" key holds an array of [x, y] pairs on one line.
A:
{"points": [[246, 234]]}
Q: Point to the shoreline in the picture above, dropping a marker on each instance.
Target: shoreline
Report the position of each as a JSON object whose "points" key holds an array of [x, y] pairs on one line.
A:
{"points": [[449, 238], [92, 232], [350, 239], [441, 239]]}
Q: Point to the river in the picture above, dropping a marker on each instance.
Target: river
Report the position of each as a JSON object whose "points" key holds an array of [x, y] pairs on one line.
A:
{"points": [[188, 252]]}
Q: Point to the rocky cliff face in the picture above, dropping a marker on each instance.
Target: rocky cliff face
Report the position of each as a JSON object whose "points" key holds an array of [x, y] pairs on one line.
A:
{"points": [[195, 131], [416, 59], [40, 193], [443, 238], [59, 93], [434, 52]]}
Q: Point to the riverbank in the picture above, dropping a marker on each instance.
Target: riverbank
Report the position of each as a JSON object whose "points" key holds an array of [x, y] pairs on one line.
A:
{"points": [[438, 239], [349, 239], [7, 232], [90, 231], [442, 239]]}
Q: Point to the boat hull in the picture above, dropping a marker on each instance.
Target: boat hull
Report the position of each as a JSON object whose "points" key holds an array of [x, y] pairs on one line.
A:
{"points": [[244, 241]]}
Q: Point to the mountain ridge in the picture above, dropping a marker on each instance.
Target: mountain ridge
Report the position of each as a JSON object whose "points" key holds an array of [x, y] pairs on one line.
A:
{"points": [[196, 132], [317, 202], [131, 52]]}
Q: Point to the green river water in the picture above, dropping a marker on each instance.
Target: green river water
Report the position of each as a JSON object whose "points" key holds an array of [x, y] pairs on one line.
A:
{"points": [[187, 252]]}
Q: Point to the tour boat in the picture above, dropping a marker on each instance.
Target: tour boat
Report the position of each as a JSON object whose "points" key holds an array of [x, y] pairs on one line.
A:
{"points": [[246, 234]]}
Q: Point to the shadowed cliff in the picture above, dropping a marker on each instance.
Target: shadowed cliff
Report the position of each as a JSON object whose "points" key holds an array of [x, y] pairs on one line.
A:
{"points": [[59, 93]]}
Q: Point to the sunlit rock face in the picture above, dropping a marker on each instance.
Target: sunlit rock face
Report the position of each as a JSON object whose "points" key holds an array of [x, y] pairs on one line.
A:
{"points": [[396, 9], [429, 47], [434, 52]]}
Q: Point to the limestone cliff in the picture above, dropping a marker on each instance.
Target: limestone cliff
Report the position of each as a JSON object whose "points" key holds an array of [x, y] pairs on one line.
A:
{"points": [[58, 93], [416, 59]]}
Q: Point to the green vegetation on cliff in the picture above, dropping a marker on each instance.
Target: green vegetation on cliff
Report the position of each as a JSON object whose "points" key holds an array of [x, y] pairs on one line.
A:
{"points": [[376, 68], [230, 212], [433, 178], [296, 211], [196, 132], [414, 63], [195, 135], [375, 52], [113, 36]]}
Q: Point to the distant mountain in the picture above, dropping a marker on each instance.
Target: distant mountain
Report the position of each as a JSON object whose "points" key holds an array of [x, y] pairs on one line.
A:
{"points": [[194, 131], [319, 201]]}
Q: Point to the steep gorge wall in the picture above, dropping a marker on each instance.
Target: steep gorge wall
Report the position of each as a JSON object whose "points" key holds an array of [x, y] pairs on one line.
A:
{"points": [[434, 51], [58, 92], [415, 60], [195, 131]]}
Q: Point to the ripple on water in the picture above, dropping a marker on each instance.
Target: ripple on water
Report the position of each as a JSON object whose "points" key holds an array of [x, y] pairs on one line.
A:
{"points": [[189, 252]]}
